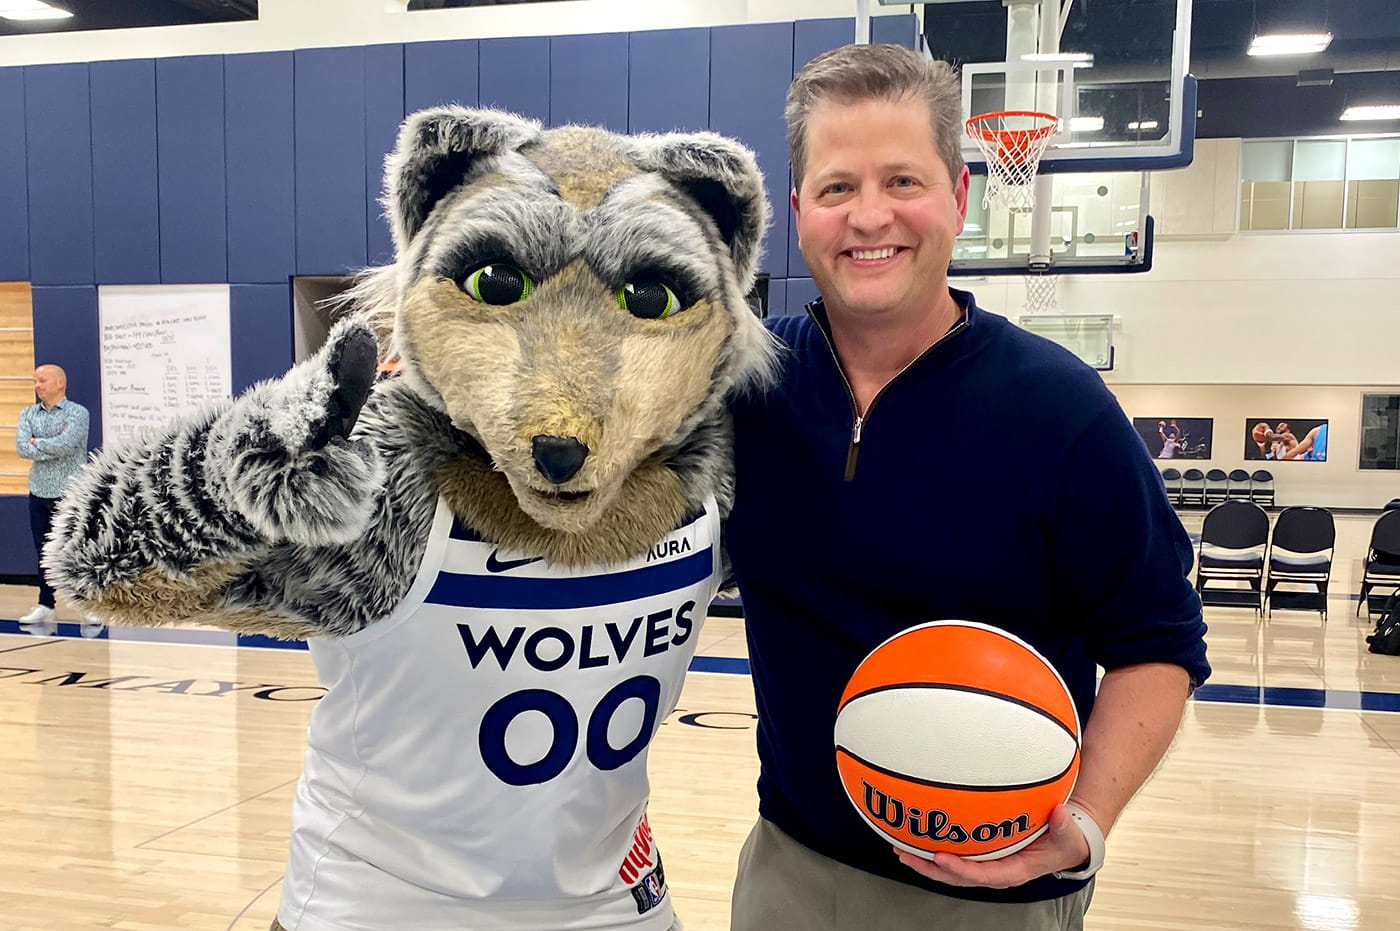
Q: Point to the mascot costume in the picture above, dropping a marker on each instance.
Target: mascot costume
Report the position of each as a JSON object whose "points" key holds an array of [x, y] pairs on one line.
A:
{"points": [[502, 556]]}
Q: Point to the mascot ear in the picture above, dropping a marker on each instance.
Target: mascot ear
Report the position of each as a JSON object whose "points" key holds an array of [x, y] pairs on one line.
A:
{"points": [[436, 148], [723, 178]]}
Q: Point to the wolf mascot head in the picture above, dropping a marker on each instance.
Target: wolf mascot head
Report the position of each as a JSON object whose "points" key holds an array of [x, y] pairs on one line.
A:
{"points": [[574, 301]]}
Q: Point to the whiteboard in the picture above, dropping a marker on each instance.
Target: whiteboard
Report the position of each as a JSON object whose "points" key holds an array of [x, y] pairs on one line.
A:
{"points": [[165, 353]]}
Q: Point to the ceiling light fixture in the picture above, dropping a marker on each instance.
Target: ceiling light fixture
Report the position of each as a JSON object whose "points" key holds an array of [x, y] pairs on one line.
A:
{"points": [[30, 11], [1085, 124], [1143, 125], [1298, 43], [1380, 111], [1074, 59]]}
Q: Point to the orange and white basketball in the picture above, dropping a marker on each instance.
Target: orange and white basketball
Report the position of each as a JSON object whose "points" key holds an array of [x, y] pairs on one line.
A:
{"points": [[957, 737]]}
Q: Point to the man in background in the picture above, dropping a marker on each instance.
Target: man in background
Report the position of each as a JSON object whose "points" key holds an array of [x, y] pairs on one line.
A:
{"points": [[53, 433]]}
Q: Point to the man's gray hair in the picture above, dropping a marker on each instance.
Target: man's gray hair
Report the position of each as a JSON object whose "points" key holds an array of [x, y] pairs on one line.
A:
{"points": [[854, 73]]}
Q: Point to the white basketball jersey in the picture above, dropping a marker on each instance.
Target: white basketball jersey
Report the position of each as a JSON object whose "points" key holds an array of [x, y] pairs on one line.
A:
{"points": [[479, 760]]}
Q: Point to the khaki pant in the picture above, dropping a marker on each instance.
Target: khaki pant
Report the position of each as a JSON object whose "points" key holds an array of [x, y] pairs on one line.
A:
{"points": [[785, 885]]}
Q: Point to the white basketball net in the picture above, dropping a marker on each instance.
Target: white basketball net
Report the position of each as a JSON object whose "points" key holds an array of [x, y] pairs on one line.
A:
{"points": [[1040, 294], [1012, 142]]}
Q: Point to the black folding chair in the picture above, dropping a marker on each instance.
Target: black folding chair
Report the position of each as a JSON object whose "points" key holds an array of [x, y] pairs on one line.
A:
{"points": [[1301, 553], [1234, 540], [1172, 479], [1238, 484], [1193, 487], [1261, 488], [1216, 487], [1382, 558]]}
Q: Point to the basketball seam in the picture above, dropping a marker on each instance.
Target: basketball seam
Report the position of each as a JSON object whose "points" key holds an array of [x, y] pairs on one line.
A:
{"points": [[957, 785], [965, 688]]}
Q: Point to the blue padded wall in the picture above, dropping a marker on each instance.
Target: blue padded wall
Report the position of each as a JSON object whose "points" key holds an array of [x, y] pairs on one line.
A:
{"points": [[330, 160], [800, 292], [588, 80], [125, 205], [260, 332], [515, 76], [777, 297], [902, 29], [436, 73], [14, 187], [58, 154], [261, 185], [385, 90], [750, 69], [66, 333], [810, 38], [17, 555], [193, 198], [668, 80]]}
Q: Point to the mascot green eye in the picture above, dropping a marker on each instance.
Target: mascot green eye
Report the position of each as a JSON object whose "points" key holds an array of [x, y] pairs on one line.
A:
{"points": [[650, 299], [498, 283]]}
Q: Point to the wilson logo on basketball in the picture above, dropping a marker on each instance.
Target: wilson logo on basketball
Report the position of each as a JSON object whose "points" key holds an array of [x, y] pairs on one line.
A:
{"points": [[935, 824]]}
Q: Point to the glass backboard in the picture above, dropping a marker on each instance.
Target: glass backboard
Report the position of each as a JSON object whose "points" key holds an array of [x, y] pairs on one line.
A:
{"points": [[1114, 74]]}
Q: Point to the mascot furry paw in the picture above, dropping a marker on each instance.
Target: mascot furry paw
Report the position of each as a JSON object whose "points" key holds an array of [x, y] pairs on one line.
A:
{"points": [[502, 558]]}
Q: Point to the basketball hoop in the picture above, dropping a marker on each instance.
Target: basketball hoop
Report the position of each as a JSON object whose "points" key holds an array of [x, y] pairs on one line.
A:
{"points": [[1013, 142], [1040, 294]]}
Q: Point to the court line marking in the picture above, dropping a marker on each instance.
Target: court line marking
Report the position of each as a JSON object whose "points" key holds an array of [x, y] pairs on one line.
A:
{"points": [[255, 900], [38, 642], [207, 816]]}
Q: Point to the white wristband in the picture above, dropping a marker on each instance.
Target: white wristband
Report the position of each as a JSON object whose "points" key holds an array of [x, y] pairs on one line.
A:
{"points": [[1093, 835]]}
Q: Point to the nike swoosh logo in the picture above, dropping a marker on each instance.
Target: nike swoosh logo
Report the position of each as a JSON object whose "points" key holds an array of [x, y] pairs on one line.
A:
{"points": [[496, 565]]}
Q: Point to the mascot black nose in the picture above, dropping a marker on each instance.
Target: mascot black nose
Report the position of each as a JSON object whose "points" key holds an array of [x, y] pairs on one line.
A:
{"points": [[558, 457]]}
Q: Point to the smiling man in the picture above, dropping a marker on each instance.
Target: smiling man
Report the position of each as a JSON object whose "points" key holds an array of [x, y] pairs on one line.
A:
{"points": [[879, 487]]}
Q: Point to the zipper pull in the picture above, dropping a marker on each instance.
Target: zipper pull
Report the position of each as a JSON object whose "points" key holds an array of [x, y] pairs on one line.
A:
{"points": [[855, 448]]}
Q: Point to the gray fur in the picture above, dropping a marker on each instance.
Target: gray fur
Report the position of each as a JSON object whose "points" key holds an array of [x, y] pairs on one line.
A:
{"points": [[290, 568], [436, 149], [723, 166], [261, 467]]}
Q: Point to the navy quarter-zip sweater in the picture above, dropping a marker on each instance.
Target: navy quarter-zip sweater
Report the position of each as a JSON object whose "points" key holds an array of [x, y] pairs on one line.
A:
{"points": [[995, 479]]}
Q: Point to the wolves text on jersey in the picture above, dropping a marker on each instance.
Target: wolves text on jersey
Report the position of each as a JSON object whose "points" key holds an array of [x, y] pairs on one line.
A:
{"points": [[594, 645]]}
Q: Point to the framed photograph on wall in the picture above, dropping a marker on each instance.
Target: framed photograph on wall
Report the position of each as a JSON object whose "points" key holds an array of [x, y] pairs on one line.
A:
{"points": [[1176, 437], [1284, 439]]}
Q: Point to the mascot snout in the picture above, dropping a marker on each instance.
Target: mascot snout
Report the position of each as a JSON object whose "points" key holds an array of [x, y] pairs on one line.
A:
{"points": [[558, 458]]}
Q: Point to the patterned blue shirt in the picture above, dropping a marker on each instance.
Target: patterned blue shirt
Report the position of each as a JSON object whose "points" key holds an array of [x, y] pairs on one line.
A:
{"points": [[59, 449]]}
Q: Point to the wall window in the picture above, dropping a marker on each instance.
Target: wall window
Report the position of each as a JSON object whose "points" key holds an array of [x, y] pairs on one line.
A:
{"points": [[1373, 192], [1327, 183], [1380, 431], [1266, 188]]}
